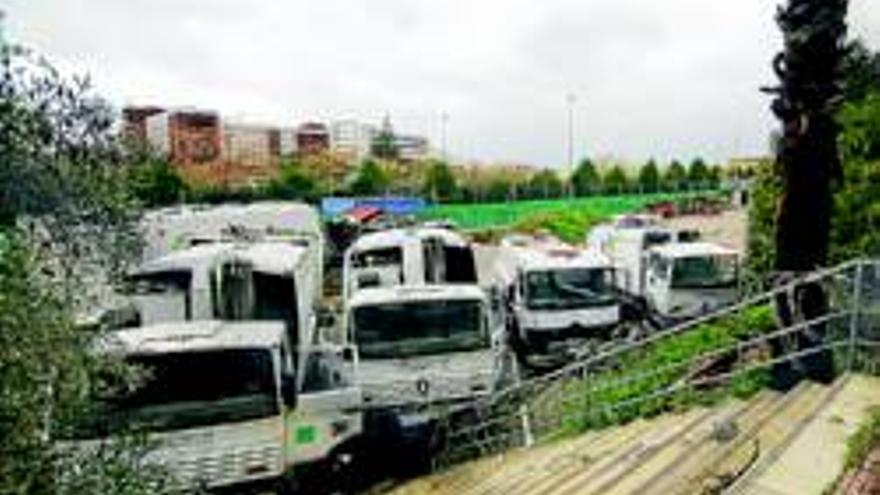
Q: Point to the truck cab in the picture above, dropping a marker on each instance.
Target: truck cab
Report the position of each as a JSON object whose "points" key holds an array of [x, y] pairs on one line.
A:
{"points": [[223, 403], [686, 280], [423, 345], [409, 257], [268, 280], [560, 297]]}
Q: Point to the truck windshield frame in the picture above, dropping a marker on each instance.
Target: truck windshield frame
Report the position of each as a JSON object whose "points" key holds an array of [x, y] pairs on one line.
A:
{"points": [[413, 328], [569, 288], [184, 390], [705, 272]]}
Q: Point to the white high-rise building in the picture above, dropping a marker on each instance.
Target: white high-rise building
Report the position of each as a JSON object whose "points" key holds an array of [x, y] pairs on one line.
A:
{"points": [[352, 138]]}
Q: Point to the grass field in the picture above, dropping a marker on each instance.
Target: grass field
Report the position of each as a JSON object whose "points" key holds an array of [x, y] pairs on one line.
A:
{"points": [[500, 215]]}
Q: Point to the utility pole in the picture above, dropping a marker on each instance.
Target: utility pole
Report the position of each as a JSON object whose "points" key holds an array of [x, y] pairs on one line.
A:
{"points": [[570, 100], [444, 119]]}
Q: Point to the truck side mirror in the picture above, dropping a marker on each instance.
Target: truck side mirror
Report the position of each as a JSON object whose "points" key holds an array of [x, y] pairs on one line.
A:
{"points": [[288, 390]]}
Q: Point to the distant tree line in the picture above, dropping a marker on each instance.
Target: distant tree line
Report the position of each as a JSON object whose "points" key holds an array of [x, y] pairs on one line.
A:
{"points": [[158, 183]]}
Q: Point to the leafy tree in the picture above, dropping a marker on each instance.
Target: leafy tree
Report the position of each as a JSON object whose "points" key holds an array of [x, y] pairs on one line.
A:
{"points": [[861, 123], [440, 183], [861, 71], [499, 190], [715, 175], [155, 182], [294, 182], [615, 180], [545, 184], [698, 173], [371, 180], [586, 179], [649, 177], [675, 176], [66, 222]]}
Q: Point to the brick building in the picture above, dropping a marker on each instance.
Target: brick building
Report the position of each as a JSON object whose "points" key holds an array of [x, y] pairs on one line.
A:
{"points": [[187, 137], [312, 138]]}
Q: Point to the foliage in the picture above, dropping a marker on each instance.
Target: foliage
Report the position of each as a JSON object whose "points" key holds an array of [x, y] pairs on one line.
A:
{"points": [[856, 205], [861, 70], [649, 177], [499, 190], [860, 121], [864, 440], [715, 173], [569, 225], [615, 180], [506, 214], [762, 220], [155, 182], [806, 101], [293, 182], [545, 184], [61, 164], [440, 185], [698, 172], [675, 176], [650, 369], [66, 224], [371, 180], [586, 178]]}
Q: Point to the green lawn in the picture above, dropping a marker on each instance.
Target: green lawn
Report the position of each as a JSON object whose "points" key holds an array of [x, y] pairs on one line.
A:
{"points": [[498, 215]]}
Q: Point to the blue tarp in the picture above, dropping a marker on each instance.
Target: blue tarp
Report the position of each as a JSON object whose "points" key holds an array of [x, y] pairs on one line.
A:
{"points": [[331, 207]]}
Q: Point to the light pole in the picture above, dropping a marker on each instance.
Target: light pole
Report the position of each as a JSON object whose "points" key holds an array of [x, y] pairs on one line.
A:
{"points": [[570, 100], [444, 119]]}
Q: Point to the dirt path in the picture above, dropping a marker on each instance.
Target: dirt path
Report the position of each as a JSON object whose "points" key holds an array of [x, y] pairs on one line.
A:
{"points": [[728, 229]]}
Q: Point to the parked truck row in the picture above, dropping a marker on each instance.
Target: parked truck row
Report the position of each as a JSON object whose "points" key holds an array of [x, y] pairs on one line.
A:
{"points": [[225, 313]]}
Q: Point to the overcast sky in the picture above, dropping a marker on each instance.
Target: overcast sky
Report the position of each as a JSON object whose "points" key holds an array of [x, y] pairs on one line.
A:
{"points": [[652, 78]]}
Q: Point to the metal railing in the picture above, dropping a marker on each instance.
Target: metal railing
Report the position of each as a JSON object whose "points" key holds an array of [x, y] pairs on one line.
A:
{"points": [[737, 351]]}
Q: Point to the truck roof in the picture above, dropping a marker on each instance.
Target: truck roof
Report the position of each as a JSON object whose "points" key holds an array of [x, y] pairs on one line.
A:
{"points": [[169, 228], [692, 249], [560, 258], [276, 257], [193, 336], [416, 293], [397, 237]]}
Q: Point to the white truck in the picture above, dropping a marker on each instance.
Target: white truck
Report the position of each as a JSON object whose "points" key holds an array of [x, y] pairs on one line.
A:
{"points": [[265, 280], [424, 350], [408, 257], [225, 406], [674, 277], [181, 227], [561, 299]]}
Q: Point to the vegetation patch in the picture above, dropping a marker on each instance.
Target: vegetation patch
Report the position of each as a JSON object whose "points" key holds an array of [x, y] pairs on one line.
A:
{"points": [[864, 440], [630, 389], [506, 215]]}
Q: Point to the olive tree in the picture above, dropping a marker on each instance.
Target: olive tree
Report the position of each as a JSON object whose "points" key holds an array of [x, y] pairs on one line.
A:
{"points": [[66, 225]]}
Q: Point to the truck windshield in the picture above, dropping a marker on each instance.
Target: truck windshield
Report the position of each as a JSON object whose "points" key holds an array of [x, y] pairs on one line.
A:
{"points": [[569, 289], [162, 296], [416, 328], [704, 272], [186, 390]]}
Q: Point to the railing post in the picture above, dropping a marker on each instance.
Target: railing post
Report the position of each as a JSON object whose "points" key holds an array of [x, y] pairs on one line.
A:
{"points": [[854, 316]]}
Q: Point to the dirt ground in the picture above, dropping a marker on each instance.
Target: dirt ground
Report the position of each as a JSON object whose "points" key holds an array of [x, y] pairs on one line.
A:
{"points": [[728, 229]]}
